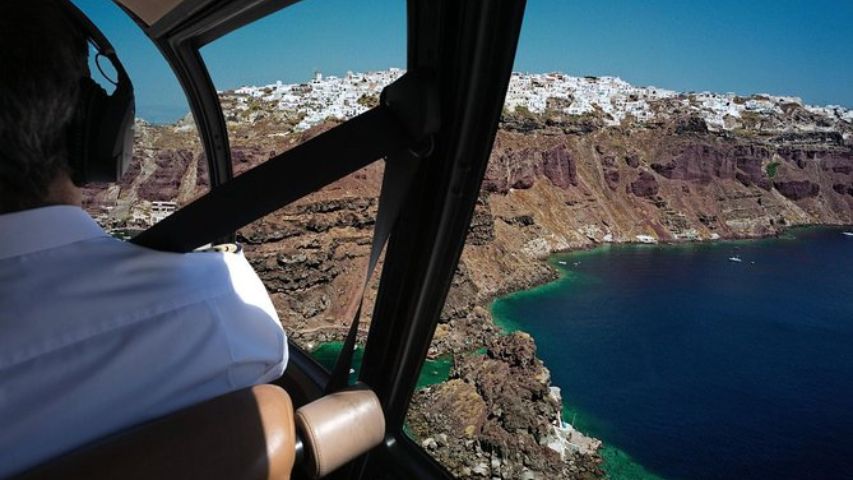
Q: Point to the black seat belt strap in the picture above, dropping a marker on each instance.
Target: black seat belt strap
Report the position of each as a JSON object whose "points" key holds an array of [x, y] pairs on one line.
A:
{"points": [[418, 98], [399, 176]]}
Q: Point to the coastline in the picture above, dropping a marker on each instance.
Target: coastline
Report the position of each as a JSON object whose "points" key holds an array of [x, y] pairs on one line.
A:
{"points": [[698, 241], [617, 464], [613, 462]]}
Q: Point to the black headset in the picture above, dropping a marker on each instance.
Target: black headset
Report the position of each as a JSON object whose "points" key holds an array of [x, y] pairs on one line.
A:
{"points": [[100, 137]]}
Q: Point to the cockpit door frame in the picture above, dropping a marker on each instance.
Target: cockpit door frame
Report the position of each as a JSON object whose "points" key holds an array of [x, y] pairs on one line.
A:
{"points": [[469, 46]]}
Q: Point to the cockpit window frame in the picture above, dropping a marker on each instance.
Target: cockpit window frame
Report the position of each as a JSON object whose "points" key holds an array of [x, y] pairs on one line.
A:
{"points": [[180, 34]]}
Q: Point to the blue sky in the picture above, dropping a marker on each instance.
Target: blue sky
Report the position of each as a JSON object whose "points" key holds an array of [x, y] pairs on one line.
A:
{"points": [[784, 47]]}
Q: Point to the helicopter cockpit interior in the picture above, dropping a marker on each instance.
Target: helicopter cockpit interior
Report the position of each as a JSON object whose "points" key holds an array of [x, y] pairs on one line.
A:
{"points": [[433, 128]]}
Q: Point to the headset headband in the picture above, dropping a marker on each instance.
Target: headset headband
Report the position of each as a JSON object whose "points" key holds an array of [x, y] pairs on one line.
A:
{"points": [[95, 36]]}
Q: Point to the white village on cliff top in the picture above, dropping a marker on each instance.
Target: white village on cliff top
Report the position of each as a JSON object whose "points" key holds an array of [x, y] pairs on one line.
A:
{"points": [[611, 97]]}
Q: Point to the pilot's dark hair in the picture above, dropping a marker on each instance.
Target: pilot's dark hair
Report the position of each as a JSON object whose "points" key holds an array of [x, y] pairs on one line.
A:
{"points": [[43, 56]]}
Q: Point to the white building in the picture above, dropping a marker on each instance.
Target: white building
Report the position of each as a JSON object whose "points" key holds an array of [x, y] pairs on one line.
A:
{"points": [[335, 97]]}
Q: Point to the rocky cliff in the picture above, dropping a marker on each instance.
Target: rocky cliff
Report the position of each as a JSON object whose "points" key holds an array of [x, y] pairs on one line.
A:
{"points": [[555, 181], [499, 417]]}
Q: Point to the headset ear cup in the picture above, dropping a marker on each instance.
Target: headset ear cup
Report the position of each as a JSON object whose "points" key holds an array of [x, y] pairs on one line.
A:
{"points": [[100, 137], [82, 131]]}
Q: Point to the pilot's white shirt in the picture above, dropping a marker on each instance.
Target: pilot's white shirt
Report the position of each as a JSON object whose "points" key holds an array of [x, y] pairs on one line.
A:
{"points": [[97, 334]]}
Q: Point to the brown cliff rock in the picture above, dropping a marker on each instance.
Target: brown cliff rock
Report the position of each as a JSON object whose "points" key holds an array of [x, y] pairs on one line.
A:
{"points": [[797, 189], [645, 185], [495, 417]]}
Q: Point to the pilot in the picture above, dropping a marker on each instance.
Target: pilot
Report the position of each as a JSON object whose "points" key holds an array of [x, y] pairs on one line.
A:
{"points": [[97, 335]]}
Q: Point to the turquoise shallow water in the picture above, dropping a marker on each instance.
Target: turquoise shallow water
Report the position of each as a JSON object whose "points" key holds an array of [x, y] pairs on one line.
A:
{"points": [[433, 371], [697, 367]]}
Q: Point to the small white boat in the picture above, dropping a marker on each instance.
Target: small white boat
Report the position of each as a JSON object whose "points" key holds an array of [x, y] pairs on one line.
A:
{"points": [[561, 262], [735, 259], [849, 234]]}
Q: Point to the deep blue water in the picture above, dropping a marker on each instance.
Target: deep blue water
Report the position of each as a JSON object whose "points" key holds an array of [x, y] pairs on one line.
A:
{"points": [[702, 368]]}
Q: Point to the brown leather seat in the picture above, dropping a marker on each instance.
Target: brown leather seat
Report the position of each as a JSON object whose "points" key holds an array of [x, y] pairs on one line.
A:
{"points": [[247, 434]]}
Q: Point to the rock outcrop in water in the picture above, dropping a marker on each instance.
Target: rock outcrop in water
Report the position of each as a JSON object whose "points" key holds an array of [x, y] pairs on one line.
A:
{"points": [[555, 181], [498, 417]]}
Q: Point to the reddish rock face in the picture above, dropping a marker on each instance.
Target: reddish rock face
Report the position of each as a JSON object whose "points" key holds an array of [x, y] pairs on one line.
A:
{"points": [[513, 169], [698, 163], [519, 169], [645, 185], [559, 167], [838, 162], [749, 160], [244, 158], [133, 171], [798, 156], [203, 177], [612, 179], [164, 182], [797, 189]]}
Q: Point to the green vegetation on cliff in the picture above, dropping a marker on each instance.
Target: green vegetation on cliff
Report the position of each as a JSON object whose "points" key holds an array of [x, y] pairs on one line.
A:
{"points": [[772, 168]]}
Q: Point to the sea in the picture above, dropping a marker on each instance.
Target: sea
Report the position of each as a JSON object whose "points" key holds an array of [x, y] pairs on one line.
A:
{"points": [[724, 360]]}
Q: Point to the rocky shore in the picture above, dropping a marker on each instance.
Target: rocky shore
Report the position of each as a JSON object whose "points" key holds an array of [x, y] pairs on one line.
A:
{"points": [[499, 416], [555, 182]]}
